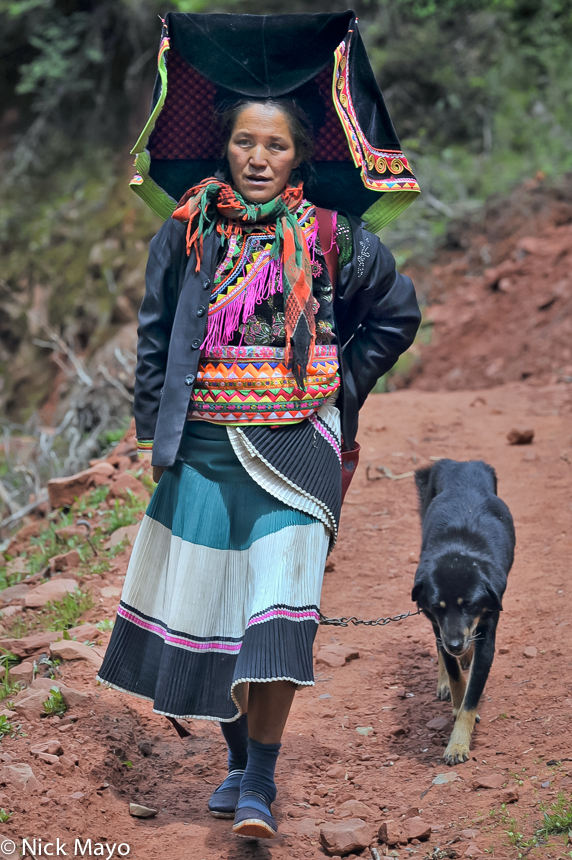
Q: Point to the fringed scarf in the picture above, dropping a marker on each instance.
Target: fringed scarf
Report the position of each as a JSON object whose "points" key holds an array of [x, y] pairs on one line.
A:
{"points": [[213, 204]]}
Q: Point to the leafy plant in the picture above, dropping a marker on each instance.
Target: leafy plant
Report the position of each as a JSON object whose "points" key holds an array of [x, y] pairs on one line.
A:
{"points": [[8, 579], [7, 659], [4, 816], [105, 624], [54, 704], [6, 727], [65, 613], [127, 764], [51, 664]]}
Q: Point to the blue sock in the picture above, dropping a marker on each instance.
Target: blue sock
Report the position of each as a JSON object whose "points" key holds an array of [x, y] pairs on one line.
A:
{"points": [[236, 737], [259, 774]]}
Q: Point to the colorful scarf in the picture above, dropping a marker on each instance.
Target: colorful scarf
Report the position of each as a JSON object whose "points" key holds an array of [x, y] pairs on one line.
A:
{"points": [[213, 204]]}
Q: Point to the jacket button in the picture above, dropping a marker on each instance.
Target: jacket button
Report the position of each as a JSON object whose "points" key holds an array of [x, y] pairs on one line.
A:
{"points": [[196, 343], [206, 283], [201, 311], [189, 379]]}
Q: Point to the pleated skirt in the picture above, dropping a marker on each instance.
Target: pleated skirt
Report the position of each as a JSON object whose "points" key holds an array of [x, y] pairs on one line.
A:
{"points": [[223, 585]]}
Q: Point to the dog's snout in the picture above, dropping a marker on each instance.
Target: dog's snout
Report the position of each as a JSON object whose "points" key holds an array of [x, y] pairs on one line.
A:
{"points": [[455, 646]]}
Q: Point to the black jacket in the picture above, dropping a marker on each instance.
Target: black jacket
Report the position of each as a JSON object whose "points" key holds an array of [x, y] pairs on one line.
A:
{"points": [[375, 309]]}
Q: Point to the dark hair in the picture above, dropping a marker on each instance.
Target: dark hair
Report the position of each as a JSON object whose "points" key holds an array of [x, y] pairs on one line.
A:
{"points": [[298, 122]]}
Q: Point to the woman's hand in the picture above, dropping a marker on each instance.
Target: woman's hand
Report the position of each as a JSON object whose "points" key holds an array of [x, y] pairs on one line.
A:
{"points": [[157, 472]]}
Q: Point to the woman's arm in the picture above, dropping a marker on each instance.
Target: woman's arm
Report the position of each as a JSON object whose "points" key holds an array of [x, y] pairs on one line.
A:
{"points": [[376, 311], [165, 267]]}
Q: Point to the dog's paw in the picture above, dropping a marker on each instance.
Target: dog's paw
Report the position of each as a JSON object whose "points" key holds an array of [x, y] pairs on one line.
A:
{"points": [[444, 692], [456, 753]]}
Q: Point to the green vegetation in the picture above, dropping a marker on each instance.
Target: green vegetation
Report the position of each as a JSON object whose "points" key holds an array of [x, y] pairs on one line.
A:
{"points": [[55, 704], [557, 818], [65, 613], [105, 624], [5, 816], [8, 687], [124, 513], [6, 727], [7, 659]]}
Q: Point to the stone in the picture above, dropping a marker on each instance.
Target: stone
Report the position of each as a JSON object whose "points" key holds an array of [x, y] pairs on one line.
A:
{"points": [[469, 834], [126, 483], [504, 649], [111, 591], [49, 759], [62, 492], [355, 808], [85, 633], [391, 833], [30, 703], [491, 780], [530, 651], [412, 812], [124, 533], [472, 850], [139, 811], [510, 795], [77, 795], [52, 747], [336, 772], [30, 644], [67, 649], [366, 731], [14, 592], [416, 828], [67, 764], [520, 436], [55, 589], [7, 759], [347, 837], [72, 697], [336, 656], [439, 724], [444, 778], [18, 775], [22, 672], [66, 561]]}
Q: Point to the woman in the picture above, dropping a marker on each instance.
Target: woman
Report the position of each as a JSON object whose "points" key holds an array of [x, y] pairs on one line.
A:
{"points": [[239, 372]]}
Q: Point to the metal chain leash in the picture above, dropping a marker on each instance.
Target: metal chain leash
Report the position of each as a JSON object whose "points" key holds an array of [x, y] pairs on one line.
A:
{"points": [[379, 622]]}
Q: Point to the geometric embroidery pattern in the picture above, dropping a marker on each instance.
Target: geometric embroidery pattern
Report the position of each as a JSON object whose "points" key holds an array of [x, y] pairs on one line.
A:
{"points": [[252, 385]]}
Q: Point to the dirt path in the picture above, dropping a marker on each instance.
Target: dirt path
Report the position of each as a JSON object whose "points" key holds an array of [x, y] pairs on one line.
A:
{"points": [[526, 710]]}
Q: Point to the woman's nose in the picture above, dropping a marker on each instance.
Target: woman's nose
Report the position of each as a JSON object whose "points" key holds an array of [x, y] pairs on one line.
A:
{"points": [[258, 156]]}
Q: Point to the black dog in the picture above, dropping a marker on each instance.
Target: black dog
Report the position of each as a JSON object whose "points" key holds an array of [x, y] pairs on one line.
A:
{"points": [[466, 554]]}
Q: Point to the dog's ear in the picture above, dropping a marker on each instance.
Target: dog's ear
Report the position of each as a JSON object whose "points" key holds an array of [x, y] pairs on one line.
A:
{"points": [[494, 602], [424, 489], [416, 592]]}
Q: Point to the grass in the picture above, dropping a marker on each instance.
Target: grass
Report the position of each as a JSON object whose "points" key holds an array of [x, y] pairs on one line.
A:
{"points": [[54, 704], [8, 687], [124, 513], [47, 545], [65, 613], [8, 579], [20, 628], [558, 818]]}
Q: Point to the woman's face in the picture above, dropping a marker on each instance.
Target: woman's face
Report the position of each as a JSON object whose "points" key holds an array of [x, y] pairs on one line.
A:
{"points": [[261, 153]]}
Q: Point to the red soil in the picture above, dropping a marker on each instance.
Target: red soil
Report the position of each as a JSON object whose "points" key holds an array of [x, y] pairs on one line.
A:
{"points": [[526, 709]]}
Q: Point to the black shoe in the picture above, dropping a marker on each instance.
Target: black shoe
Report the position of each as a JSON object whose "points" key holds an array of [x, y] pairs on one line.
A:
{"points": [[223, 800], [254, 818]]}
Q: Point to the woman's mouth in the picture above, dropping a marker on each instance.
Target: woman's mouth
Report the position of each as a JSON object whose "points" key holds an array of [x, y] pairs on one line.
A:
{"points": [[254, 179]]}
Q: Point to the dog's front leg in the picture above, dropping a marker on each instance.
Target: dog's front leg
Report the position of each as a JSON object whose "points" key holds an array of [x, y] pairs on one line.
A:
{"points": [[455, 677], [459, 743]]}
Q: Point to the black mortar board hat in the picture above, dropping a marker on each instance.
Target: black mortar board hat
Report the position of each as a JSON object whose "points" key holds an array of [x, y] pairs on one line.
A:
{"points": [[318, 60]]}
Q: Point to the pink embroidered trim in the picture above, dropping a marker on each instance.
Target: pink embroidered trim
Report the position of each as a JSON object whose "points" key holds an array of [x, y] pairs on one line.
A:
{"points": [[290, 614]]}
